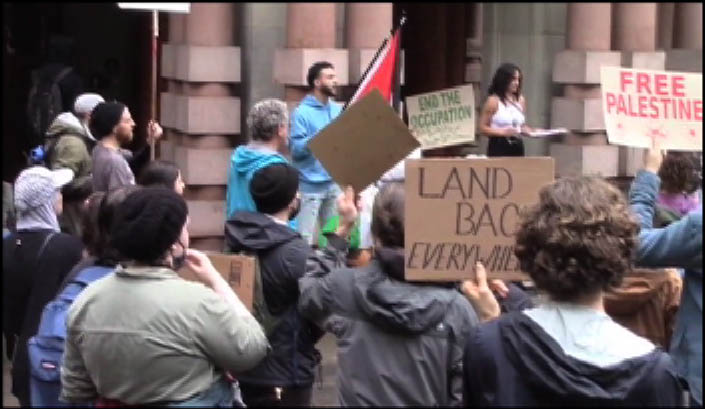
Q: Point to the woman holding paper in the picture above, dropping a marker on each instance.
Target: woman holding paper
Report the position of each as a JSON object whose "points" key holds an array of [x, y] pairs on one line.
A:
{"points": [[502, 118]]}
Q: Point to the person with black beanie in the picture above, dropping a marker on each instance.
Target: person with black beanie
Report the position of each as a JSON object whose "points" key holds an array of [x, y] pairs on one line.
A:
{"points": [[112, 125], [145, 336], [285, 377]]}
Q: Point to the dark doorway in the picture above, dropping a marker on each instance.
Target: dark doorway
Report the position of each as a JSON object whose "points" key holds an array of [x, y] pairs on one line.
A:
{"points": [[434, 43], [111, 53]]}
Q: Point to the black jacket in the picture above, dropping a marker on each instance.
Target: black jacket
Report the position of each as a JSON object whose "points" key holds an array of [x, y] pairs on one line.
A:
{"points": [[284, 256], [512, 361], [28, 285]]}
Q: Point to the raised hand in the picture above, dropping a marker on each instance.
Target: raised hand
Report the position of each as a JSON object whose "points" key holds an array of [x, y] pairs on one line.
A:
{"points": [[480, 295]]}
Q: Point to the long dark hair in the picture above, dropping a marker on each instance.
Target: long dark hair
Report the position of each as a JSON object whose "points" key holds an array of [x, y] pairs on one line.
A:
{"points": [[501, 80]]}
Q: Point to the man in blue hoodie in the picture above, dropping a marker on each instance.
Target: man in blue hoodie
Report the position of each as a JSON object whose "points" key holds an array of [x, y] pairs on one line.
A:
{"points": [[318, 191], [268, 123]]}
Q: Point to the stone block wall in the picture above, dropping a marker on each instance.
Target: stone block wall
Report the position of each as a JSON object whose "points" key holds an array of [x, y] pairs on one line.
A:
{"points": [[201, 111], [656, 36]]}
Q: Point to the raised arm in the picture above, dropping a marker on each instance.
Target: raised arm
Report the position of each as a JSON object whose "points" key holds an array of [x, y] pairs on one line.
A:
{"points": [[677, 245]]}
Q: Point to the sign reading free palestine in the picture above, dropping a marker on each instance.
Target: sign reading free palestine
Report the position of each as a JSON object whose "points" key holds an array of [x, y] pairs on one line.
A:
{"points": [[443, 118]]}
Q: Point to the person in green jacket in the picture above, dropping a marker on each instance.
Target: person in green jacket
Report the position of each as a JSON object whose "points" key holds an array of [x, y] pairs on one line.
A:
{"points": [[69, 144]]}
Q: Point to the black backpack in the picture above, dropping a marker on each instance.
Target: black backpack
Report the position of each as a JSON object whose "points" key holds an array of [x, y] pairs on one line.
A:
{"points": [[45, 101]]}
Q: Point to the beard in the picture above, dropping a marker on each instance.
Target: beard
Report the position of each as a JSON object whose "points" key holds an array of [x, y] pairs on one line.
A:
{"points": [[124, 137], [329, 91]]}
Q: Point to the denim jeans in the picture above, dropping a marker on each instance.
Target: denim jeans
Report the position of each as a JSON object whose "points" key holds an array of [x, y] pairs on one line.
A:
{"points": [[317, 207]]}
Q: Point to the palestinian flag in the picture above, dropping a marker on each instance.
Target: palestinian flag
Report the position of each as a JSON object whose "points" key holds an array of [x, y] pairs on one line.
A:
{"points": [[383, 71]]}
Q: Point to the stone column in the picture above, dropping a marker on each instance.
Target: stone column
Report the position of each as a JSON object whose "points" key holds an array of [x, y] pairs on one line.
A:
{"points": [[688, 27], [635, 26], [636, 35], [201, 111], [584, 150], [664, 35], [310, 38], [366, 26], [589, 26], [687, 52]]}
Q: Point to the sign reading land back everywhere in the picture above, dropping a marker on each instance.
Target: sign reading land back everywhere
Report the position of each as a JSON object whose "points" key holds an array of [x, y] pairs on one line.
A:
{"points": [[443, 118], [643, 107], [459, 211]]}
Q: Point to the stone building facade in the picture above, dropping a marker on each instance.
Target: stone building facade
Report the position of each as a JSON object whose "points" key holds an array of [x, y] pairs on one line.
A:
{"points": [[222, 57]]}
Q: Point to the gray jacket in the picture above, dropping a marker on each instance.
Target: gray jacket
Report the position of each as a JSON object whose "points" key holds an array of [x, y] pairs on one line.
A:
{"points": [[399, 343]]}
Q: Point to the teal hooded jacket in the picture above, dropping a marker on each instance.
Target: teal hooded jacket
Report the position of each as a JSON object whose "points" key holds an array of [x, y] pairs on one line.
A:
{"points": [[244, 162]]}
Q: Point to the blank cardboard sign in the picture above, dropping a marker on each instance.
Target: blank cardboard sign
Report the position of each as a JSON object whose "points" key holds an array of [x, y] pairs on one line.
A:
{"points": [[236, 269], [361, 144], [458, 211]]}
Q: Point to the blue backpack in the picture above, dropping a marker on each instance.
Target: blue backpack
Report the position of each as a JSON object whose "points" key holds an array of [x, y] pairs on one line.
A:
{"points": [[46, 349]]}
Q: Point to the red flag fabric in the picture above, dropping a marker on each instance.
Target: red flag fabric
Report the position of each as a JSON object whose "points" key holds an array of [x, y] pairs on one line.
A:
{"points": [[382, 72]]}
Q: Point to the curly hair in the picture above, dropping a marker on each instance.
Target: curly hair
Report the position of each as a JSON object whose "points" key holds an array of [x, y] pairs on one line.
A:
{"points": [[680, 173], [265, 118], [578, 240]]}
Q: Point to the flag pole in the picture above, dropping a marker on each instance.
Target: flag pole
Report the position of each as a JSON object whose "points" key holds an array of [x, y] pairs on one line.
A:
{"points": [[396, 102], [153, 107]]}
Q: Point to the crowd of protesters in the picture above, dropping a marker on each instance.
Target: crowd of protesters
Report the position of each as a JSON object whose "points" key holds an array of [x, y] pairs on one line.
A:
{"points": [[331, 260]]}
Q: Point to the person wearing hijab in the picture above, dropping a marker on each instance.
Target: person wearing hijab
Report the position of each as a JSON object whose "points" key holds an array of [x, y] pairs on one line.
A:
{"points": [[35, 261]]}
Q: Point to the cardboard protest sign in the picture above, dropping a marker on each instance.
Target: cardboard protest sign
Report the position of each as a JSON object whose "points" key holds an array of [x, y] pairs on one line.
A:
{"points": [[458, 211], [443, 118], [361, 144], [237, 270], [644, 106]]}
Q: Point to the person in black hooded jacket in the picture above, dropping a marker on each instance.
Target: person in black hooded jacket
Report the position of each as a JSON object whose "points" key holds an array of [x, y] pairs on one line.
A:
{"points": [[285, 377], [576, 243]]}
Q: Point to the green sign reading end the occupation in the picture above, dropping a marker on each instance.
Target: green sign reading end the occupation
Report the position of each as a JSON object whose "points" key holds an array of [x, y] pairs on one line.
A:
{"points": [[443, 118]]}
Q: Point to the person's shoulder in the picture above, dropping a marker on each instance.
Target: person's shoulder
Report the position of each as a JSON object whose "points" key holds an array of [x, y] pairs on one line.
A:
{"points": [[492, 102]]}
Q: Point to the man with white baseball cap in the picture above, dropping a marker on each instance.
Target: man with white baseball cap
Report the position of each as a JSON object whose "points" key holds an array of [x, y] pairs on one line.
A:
{"points": [[68, 145], [36, 258]]}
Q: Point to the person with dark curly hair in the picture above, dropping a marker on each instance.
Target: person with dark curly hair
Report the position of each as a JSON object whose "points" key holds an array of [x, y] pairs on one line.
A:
{"points": [[680, 193], [576, 244]]}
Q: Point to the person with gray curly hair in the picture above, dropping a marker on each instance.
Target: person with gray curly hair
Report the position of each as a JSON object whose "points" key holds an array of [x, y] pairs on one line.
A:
{"points": [[268, 123]]}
